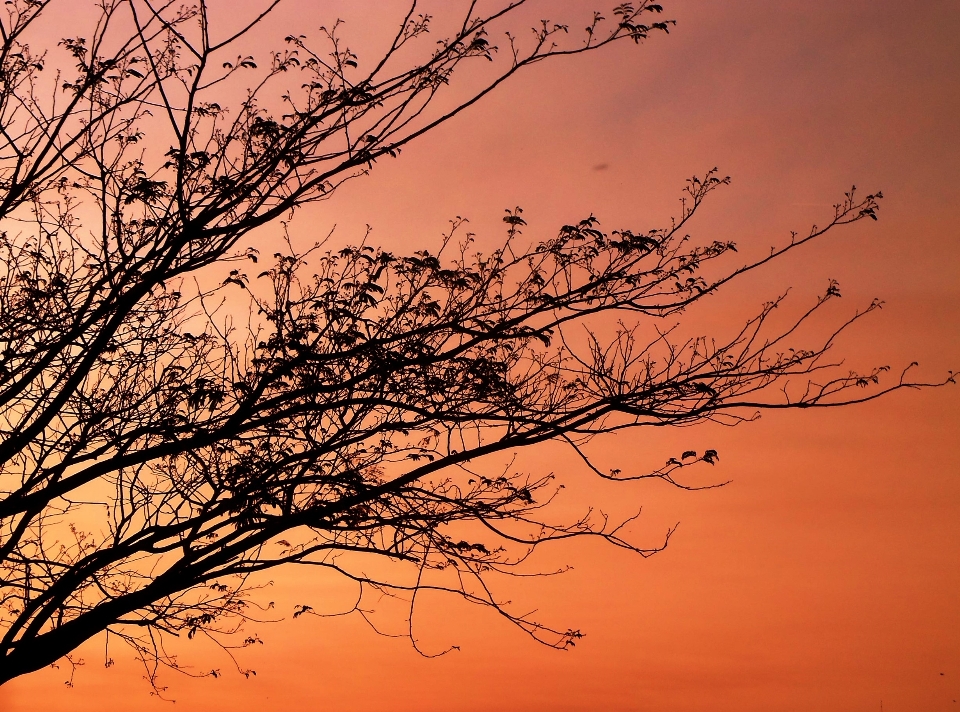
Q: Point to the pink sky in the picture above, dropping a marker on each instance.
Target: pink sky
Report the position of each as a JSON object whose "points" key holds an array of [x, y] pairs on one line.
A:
{"points": [[826, 576]]}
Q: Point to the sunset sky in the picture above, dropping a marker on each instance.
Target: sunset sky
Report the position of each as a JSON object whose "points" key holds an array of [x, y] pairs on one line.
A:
{"points": [[826, 575]]}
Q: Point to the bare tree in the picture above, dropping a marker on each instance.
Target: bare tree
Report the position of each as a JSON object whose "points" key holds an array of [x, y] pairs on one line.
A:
{"points": [[155, 456]]}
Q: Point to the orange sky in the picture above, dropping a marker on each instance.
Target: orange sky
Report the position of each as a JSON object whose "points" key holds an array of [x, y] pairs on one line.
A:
{"points": [[827, 575]]}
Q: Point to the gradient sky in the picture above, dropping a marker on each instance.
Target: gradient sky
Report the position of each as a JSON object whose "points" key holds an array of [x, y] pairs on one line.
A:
{"points": [[826, 576]]}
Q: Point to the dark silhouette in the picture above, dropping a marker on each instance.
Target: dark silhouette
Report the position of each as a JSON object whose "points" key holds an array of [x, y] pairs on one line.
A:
{"points": [[155, 455]]}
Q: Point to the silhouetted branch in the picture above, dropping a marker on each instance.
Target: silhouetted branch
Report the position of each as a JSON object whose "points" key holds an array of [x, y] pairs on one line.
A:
{"points": [[345, 415]]}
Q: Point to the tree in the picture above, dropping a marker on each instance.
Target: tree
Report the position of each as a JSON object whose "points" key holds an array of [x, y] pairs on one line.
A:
{"points": [[155, 457]]}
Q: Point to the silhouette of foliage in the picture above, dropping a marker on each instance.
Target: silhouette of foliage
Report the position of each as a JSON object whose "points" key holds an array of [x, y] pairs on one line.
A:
{"points": [[155, 456]]}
